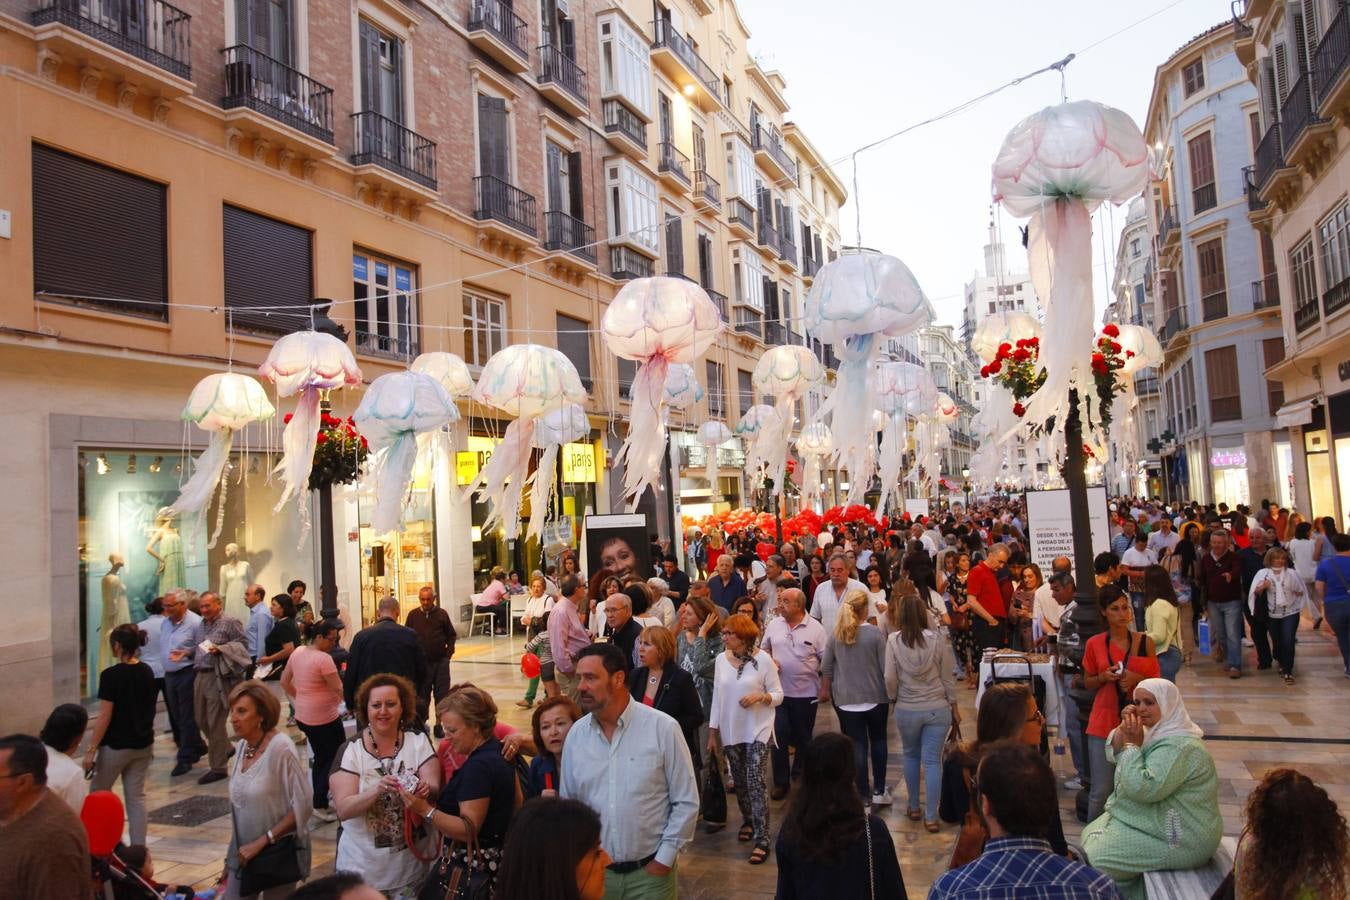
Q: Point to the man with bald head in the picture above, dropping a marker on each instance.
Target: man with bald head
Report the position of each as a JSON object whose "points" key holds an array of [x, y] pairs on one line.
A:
{"points": [[384, 647], [260, 620], [797, 644], [218, 649]]}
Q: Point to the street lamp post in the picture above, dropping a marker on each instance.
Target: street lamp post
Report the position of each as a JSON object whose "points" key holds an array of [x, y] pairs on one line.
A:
{"points": [[965, 475]]}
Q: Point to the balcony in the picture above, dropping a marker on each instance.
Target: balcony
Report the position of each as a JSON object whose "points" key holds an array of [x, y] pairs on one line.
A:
{"points": [[810, 266], [562, 81], [719, 301], [771, 156], [1331, 66], [1266, 293], [775, 334], [1168, 233], [1336, 297], [375, 344], [1173, 325], [269, 92], [676, 57], [564, 233], [1204, 198], [741, 218], [144, 43], [707, 192], [1256, 207], [1244, 36], [787, 252], [1145, 385], [766, 236], [1307, 136], [748, 322], [625, 130], [1273, 174], [1307, 315], [626, 263], [383, 144], [495, 29], [496, 200], [1214, 306], [672, 165]]}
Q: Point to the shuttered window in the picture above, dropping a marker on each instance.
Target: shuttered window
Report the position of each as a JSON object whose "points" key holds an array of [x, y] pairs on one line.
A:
{"points": [[575, 344], [268, 264], [674, 246], [1272, 350], [1193, 77], [1203, 193], [1213, 282], [745, 386], [1225, 393], [716, 390], [705, 263], [99, 233], [627, 374], [494, 151]]}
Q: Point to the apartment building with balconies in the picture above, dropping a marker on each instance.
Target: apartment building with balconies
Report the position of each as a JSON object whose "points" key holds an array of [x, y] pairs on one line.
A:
{"points": [[1297, 56], [943, 354], [1213, 311]]}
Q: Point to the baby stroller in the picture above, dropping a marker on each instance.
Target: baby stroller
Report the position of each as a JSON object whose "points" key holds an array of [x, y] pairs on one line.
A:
{"points": [[116, 868]]}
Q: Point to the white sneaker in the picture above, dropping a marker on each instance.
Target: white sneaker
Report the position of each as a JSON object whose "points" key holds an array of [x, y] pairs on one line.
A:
{"points": [[1073, 784], [1247, 642], [882, 799]]}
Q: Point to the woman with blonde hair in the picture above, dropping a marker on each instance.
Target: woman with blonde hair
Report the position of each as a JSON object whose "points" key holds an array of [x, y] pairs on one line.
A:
{"points": [[1286, 594], [853, 677]]}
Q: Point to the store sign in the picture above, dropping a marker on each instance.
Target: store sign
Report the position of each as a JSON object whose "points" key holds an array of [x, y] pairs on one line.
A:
{"points": [[578, 462], [1223, 458], [468, 463]]}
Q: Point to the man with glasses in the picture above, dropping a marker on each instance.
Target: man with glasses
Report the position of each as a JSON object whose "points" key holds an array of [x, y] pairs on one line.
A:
{"points": [[797, 644], [436, 633], [43, 848], [176, 631]]}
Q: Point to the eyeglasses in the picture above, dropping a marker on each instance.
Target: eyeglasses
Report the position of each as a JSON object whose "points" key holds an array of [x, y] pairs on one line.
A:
{"points": [[1037, 717]]}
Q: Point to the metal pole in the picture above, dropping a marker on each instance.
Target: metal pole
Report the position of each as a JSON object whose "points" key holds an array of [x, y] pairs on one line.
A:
{"points": [[327, 564]]}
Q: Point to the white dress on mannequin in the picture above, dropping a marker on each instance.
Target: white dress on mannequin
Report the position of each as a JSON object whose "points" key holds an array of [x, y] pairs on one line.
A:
{"points": [[235, 577], [116, 611]]}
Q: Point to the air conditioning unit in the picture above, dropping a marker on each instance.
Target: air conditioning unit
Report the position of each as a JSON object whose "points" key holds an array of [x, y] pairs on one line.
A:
{"points": [[562, 8]]}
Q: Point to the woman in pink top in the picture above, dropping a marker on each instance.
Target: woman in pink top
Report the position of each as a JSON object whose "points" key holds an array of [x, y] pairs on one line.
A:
{"points": [[311, 679]]}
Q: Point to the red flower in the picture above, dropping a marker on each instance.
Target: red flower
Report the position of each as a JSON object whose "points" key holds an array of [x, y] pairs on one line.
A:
{"points": [[984, 373], [1129, 354], [1033, 342], [364, 443], [286, 419], [1115, 347], [322, 438], [995, 367], [1022, 354], [1111, 330], [1019, 410], [1004, 347]]}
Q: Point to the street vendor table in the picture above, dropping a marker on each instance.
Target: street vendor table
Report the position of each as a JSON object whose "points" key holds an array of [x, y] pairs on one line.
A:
{"points": [[1012, 666]]}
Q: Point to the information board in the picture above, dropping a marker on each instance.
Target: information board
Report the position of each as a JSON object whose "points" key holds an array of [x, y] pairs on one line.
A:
{"points": [[1050, 526]]}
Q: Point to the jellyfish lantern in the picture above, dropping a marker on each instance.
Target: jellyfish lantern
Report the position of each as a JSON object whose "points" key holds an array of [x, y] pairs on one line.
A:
{"points": [[395, 410], [1002, 328], [654, 322], [220, 404], [561, 426], [1140, 347], [1055, 167], [760, 428], [813, 444], [682, 387], [305, 363], [712, 435], [854, 303], [526, 381], [902, 389], [448, 369], [785, 373]]}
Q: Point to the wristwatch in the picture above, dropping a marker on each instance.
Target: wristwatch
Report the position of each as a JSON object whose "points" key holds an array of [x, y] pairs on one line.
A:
{"points": [[431, 811], [270, 838]]}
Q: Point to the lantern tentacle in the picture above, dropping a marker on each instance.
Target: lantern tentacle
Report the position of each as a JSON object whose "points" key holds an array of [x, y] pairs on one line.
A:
{"points": [[196, 493], [544, 475], [642, 451], [298, 441], [504, 476]]}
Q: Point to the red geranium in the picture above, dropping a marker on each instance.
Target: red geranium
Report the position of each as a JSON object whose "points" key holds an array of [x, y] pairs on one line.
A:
{"points": [[1019, 410], [1111, 330]]}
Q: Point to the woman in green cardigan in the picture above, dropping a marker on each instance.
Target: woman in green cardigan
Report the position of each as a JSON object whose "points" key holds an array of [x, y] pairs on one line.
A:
{"points": [[1164, 812]]}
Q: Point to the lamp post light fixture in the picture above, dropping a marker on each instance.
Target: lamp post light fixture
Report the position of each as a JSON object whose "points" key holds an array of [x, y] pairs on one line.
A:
{"points": [[965, 475]]}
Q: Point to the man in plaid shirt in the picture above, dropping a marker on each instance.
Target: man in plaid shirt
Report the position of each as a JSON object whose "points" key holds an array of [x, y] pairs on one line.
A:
{"points": [[1017, 798]]}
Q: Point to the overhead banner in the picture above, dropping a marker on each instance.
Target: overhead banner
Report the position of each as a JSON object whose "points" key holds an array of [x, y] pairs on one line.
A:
{"points": [[619, 544], [916, 507], [1050, 526]]}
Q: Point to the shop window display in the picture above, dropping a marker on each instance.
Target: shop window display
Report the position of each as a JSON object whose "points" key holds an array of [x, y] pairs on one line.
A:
{"points": [[399, 563], [131, 553]]}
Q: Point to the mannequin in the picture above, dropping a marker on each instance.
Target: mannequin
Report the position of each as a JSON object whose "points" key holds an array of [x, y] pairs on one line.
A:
{"points": [[235, 576], [115, 609], [172, 568]]}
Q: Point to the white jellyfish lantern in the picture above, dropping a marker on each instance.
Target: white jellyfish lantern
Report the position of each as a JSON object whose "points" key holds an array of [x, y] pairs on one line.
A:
{"points": [[554, 429], [1140, 347], [785, 373], [712, 435], [220, 404], [1002, 328], [682, 387], [760, 428], [396, 409], [447, 368], [813, 445], [654, 322]]}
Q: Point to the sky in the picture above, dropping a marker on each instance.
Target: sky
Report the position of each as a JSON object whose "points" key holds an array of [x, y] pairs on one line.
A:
{"points": [[873, 67]]}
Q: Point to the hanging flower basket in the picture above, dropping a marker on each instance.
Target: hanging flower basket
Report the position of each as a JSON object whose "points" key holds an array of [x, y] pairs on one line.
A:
{"points": [[340, 452], [1016, 366]]}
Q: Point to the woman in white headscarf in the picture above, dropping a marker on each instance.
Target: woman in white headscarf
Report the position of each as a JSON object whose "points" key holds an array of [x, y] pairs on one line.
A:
{"points": [[1164, 813]]}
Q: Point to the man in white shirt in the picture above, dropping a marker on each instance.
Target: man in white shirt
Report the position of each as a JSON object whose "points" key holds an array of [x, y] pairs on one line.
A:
{"points": [[61, 735], [1163, 540], [1133, 562], [647, 811], [830, 595], [1044, 607]]}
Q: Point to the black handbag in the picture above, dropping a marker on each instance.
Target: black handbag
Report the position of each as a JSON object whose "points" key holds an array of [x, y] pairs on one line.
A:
{"points": [[277, 864], [464, 871]]}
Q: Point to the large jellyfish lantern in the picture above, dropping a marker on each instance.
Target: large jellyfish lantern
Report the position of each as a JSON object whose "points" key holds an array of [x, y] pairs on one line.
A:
{"points": [[682, 387], [1002, 328], [1140, 347], [712, 435], [854, 303], [785, 373], [1056, 166], [449, 369], [813, 444], [760, 428], [903, 389], [526, 381], [561, 426], [395, 410], [654, 322], [220, 404], [307, 363]]}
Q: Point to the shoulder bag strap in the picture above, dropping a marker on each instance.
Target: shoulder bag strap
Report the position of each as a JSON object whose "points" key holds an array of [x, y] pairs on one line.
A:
{"points": [[871, 871]]}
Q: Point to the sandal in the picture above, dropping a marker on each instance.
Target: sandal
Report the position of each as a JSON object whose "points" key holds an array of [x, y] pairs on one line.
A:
{"points": [[914, 814], [759, 856], [746, 833]]}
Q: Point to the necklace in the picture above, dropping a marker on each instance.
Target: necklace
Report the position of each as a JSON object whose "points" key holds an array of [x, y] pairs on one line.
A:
{"points": [[251, 750], [652, 679]]}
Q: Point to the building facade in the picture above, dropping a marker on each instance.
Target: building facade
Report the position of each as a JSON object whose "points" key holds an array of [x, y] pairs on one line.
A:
{"points": [[1297, 56], [1213, 310], [454, 175], [946, 360]]}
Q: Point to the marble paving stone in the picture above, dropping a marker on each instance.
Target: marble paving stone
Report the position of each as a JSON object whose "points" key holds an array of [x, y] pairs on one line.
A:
{"points": [[190, 811]]}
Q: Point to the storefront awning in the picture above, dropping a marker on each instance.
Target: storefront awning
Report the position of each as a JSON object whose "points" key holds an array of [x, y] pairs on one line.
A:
{"points": [[1297, 413]]}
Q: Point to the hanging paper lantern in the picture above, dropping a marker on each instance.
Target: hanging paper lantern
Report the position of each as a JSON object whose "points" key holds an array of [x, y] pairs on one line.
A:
{"points": [[306, 362], [813, 444], [1002, 328], [682, 387], [1055, 167], [785, 373], [525, 381], [448, 369], [1140, 347], [221, 404], [946, 409], [561, 426], [397, 408], [854, 302], [713, 435], [903, 389], [759, 428], [654, 322]]}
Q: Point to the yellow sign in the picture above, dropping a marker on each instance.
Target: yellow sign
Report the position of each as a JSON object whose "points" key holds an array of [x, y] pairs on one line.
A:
{"points": [[469, 462], [578, 463]]}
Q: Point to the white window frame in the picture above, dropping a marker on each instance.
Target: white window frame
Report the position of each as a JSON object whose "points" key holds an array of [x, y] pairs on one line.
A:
{"points": [[479, 318], [1303, 278], [634, 208], [1333, 244], [742, 179], [750, 290], [626, 63], [398, 296]]}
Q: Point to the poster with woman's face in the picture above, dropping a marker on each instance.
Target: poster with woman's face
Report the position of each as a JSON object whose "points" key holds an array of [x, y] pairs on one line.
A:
{"points": [[618, 543]]}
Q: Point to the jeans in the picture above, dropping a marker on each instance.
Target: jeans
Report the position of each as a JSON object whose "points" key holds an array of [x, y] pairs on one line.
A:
{"points": [[133, 766], [324, 740], [1103, 776], [868, 731], [793, 723], [922, 733], [1225, 623], [438, 677], [191, 747], [1338, 617], [1070, 726], [1284, 631], [1169, 661]]}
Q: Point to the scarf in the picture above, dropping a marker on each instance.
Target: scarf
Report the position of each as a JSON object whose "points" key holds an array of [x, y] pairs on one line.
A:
{"points": [[1172, 716], [1284, 592], [746, 659]]}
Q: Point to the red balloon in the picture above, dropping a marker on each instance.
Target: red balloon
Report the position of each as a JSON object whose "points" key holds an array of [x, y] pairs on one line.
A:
{"points": [[102, 815], [529, 665]]}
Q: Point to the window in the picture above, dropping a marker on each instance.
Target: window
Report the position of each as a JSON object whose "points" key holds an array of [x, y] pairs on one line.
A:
{"points": [[741, 177], [716, 389], [1213, 283], [665, 118], [1334, 236], [1189, 411], [745, 390], [1225, 394], [625, 64], [574, 342], [726, 92], [381, 73], [1203, 191], [705, 261], [750, 282], [632, 206], [385, 307], [1193, 77], [267, 264], [98, 232], [265, 25], [1272, 349], [556, 29], [484, 326], [674, 245], [494, 141], [562, 174], [627, 374], [1304, 278]]}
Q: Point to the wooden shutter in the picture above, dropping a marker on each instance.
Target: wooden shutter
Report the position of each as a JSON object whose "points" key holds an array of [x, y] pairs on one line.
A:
{"points": [[1209, 255], [705, 277], [493, 149], [819, 255], [674, 246], [370, 66], [746, 388], [1281, 73], [627, 373], [715, 397], [1272, 351], [1221, 372], [567, 37], [574, 196], [554, 177], [99, 232], [575, 344], [1201, 153], [267, 264]]}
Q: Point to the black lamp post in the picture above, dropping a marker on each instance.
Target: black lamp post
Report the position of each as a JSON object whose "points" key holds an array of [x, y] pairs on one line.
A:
{"points": [[965, 476]]}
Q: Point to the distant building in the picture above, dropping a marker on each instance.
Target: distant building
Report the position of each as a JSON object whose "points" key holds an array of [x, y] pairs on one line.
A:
{"points": [[999, 289], [947, 361]]}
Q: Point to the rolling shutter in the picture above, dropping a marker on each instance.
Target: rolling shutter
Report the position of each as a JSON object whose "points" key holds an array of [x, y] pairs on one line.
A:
{"points": [[267, 264]]}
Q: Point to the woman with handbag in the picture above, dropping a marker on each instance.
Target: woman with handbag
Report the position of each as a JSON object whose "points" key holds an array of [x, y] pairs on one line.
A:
{"points": [[386, 756], [474, 809], [963, 635], [270, 801], [829, 845]]}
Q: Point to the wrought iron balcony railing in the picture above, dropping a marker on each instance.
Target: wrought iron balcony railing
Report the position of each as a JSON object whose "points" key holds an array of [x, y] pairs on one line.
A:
{"points": [[151, 30], [563, 232], [386, 143], [670, 159], [668, 38], [560, 69], [1333, 54], [504, 202], [619, 119], [706, 186], [768, 142], [625, 263], [257, 81], [741, 213], [498, 18]]}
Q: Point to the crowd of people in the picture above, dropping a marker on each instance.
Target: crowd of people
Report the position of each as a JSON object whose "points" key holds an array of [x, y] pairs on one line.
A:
{"points": [[663, 692]]}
